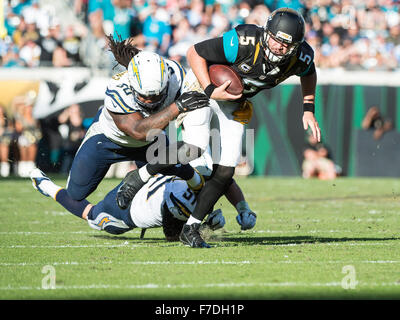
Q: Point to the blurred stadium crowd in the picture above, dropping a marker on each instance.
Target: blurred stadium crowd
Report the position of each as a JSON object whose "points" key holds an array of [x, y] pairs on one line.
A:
{"points": [[347, 34], [350, 34]]}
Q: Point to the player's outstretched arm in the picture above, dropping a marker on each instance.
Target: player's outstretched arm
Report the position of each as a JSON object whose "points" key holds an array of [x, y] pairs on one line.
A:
{"points": [[308, 85], [137, 127]]}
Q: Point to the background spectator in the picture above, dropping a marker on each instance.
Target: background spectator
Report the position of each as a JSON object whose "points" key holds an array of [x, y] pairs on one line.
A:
{"points": [[374, 120], [72, 132], [6, 137], [345, 34], [29, 135], [318, 161]]}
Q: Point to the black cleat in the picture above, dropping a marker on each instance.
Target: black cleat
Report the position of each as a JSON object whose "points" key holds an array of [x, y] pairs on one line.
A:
{"points": [[190, 236], [131, 184]]}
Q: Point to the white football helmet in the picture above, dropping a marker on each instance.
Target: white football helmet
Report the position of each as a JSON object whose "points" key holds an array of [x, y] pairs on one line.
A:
{"points": [[148, 76]]}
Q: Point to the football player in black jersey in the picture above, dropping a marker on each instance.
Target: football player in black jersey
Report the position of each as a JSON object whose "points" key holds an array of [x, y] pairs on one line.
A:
{"points": [[263, 57]]}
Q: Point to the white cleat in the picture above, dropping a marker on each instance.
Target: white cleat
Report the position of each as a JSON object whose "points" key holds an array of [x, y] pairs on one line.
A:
{"points": [[37, 176]]}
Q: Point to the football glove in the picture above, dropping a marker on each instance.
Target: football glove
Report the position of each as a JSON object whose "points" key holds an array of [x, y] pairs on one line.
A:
{"points": [[215, 220], [246, 220], [192, 100], [244, 112]]}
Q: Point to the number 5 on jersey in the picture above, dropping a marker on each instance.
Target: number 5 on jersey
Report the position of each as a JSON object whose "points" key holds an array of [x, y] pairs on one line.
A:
{"points": [[305, 58]]}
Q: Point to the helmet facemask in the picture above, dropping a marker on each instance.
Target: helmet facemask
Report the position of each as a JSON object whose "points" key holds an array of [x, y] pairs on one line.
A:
{"points": [[275, 58], [157, 100]]}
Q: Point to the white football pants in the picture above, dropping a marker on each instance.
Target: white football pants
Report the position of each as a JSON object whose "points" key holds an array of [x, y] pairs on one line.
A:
{"points": [[215, 122], [226, 133]]}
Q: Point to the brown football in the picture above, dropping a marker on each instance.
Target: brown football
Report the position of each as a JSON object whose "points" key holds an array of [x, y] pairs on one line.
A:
{"points": [[219, 73]]}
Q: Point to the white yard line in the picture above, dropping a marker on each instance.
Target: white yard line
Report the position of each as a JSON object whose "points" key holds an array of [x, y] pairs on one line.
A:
{"points": [[222, 262], [206, 285], [74, 263], [27, 233]]}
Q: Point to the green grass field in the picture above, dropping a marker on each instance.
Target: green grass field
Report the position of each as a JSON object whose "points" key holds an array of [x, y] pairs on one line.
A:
{"points": [[313, 239]]}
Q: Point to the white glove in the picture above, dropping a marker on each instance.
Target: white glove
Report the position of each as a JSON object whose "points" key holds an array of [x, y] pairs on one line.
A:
{"points": [[215, 220], [246, 220]]}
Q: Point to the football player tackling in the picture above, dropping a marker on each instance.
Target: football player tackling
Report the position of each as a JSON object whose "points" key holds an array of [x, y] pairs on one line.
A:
{"points": [[165, 201], [146, 97], [263, 57]]}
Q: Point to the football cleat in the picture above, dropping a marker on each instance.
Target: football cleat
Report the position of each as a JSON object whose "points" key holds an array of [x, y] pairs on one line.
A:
{"points": [[190, 236], [37, 176], [131, 184]]}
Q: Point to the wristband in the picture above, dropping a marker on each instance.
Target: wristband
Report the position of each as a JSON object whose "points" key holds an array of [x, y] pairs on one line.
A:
{"points": [[309, 107], [209, 90]]}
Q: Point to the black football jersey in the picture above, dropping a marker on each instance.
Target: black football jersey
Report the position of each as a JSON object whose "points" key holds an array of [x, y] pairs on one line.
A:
{"points": [[241, 49]]}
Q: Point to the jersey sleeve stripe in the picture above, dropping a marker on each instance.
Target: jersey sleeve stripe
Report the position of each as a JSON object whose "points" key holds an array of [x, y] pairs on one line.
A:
{"points": [[231, 45], [151, 192], [256, 53], [114, 95]]}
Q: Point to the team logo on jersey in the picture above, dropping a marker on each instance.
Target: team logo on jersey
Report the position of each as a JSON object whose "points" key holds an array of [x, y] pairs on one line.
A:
{"points": [[244, 67]]}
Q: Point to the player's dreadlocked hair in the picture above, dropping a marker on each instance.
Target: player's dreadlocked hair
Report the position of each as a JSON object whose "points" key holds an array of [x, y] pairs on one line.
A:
{"points": [[123, 50], [172, 227]]}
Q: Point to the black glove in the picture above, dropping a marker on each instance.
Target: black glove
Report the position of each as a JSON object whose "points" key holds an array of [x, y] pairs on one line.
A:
{"points": [[192, 100]]}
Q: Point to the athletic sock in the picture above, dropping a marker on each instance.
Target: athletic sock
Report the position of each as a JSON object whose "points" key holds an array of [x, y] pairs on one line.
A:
{"points": [[5, 169], [50, 188], [74, 206], [192, 220], [144, 174], [194, 181]]}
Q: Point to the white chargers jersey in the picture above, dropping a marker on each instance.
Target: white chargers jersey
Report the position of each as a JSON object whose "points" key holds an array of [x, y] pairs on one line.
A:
{"points": [[146, 206], [119, 99]]}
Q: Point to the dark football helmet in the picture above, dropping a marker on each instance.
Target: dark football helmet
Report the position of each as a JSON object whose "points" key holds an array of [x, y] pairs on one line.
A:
{"points": [[286, 26]]}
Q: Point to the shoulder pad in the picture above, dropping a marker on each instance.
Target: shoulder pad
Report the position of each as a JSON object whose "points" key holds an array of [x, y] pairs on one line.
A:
{"points": [[119, 96], [305, 58], [249, 30], [176, 68], [240, 41]]}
